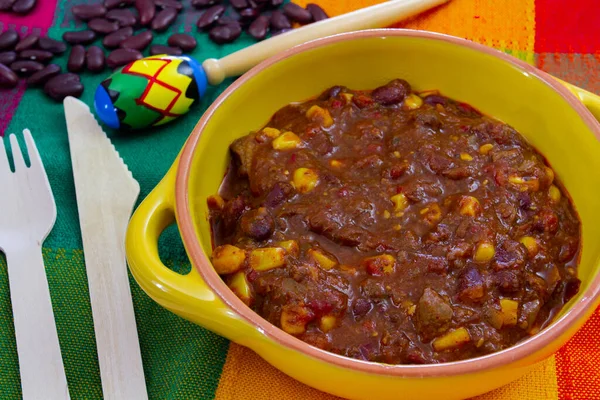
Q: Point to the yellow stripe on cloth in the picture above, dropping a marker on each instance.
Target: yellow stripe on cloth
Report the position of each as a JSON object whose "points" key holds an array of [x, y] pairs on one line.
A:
{"points": [[246, 376]]}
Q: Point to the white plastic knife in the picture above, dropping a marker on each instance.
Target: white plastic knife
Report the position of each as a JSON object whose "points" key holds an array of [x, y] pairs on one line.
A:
{"points": [[106, 194]]}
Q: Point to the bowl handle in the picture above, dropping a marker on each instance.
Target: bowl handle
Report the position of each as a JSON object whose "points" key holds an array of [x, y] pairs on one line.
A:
{"points": [[589, 99], [185, 295]]}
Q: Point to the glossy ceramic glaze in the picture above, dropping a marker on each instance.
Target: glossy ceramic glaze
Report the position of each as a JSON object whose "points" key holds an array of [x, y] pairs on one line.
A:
{"points": [[548, 115]]}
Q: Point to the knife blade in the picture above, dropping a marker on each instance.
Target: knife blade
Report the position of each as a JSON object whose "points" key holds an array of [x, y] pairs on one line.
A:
{"points": [[106, 194]]}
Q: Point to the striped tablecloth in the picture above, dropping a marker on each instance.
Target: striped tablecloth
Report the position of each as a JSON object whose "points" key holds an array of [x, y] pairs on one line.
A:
{"points": [[182, 360]]}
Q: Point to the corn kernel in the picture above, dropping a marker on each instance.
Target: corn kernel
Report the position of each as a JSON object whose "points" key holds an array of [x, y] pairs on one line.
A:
{"points": [[271, 132], [454, 138], [426, 93], [432, 214], [466, 157], [532, 184], [397, 227], [320, 114], [470, 206], [324, 261], [380, 265], [386, 214], [267, 258], [335, 163], [412, 102], [215, 202], [484, 149], [479, 342], [484, 253], [348, 97], [327, 323], [294, 319], [509, 310], [291, 247], [549, 173], [397, 154], [240, 287], [554, 194], [400, 202], [452, 339], [286, 141], [228, 259], [530, 244], [305, 180], [347, 268]]}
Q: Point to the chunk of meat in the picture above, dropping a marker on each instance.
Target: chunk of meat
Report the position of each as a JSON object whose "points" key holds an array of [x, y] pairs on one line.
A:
{"points": [[434, 314], [470, 285], [243, 151]]}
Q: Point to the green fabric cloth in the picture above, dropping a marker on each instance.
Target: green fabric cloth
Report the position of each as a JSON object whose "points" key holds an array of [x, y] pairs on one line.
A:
{"points": [[181, 360]]}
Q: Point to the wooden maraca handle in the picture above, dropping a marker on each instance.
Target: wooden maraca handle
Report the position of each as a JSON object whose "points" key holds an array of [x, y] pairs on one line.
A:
{"points": [[377, 16]]}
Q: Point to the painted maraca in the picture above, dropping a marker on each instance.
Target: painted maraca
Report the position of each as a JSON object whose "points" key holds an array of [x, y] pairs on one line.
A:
{"points": [[157, 89]]}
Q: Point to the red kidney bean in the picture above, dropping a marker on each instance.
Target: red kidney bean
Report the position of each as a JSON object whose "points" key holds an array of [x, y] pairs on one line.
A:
{"points": [[169, 3], [6, 5], [36, 55], [110, 4], [259, 28], [40, 77], [26, 68], [226, 19], [160, 49], [86, 12], [103, 26], [318, 14], [238, 4], [8, 57], [249, 14], [24, 6], [27, 42], [125, 17], [76, 60], [94, 59], [204, 3], [163, 19], [279, 21], [276, 3], [120, 57], [8, 39], [116, 38], [79, 37], [51, 45], [296, 13], [182, 40], [209, 17], [138, 42], [146, 9], [279, 32], [225, 33], [8, 79], [63, 85]]}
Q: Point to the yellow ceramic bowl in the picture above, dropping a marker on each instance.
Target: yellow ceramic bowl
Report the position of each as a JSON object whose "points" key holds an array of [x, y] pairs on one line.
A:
{"points": [[551, 117]]}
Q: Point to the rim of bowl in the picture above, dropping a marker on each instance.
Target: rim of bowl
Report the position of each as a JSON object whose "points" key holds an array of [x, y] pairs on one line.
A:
{"points": [[215, 283]]}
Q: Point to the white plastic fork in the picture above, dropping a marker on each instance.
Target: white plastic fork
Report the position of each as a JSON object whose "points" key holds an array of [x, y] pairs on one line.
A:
{"points": [[27, 215]]}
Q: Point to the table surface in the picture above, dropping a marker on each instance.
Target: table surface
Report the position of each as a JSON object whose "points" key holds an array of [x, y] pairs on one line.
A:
{"points": [[182, 360]]}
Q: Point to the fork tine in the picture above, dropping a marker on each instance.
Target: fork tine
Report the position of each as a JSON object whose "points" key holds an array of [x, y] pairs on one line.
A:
{"points": [[16, 153], [34, 155], [4, 166]]}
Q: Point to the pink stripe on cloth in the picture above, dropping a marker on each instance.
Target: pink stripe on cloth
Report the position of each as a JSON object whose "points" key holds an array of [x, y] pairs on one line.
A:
{"points": [[9, 101], [41, 17]]}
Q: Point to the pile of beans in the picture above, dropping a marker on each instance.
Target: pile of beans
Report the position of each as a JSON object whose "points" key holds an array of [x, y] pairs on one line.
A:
{"points": [[126, 28]]}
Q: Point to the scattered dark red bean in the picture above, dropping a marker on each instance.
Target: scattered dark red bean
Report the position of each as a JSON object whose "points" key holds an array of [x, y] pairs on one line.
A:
{"points": [[226, 19], [40, 77], [318, 14], [24, 6], [279, 21], [163, 19], [182, 40], [296, 13], [169, 3], [138, 42], [94, 59], [63, 85], [116, 38], [36, 55], [204, 3], [79, 37], [8, 79], [110, 4], [146, 9], [276, 3], [125, 17], [26, 68], [76, 60], [8, 57], [209, 17], [103, 26], [51, 45], [6, 5], [8, 39], [86, 12], [249, 14], [238, 4], [279, 32], [259, 28], [120, 57], [225, 33], [160, 49], [27, 42]]}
